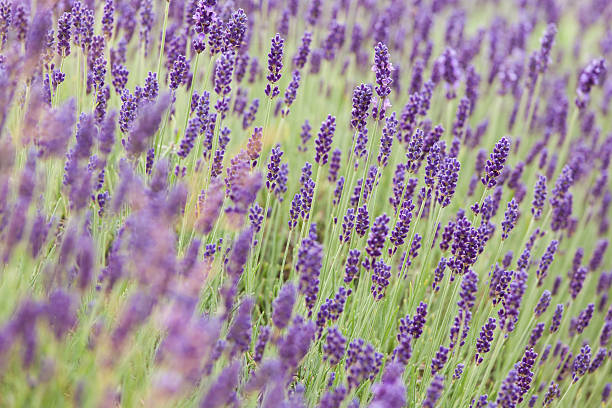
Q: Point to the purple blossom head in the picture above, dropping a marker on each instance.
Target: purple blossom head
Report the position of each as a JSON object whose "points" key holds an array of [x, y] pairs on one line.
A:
{"points": [[222, 390], [546, 260], [539, 197], [510, 218], [310, 256], [324, 140], [447, 67], [362, 98], [434, 392], [301, 57], [377, 238], [581, 363], [598, 254], [390, 392], [592, 75], [543, 303], [448, 175], [275, 65], [352, 266], [483, 343], [178, 74], [240, 332], [382, 68], [496, 162], [240, 253], [236, 29], [334, 347], [362, 362], [283, 306]]}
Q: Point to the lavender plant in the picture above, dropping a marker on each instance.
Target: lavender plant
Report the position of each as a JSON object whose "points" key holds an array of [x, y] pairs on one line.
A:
{"points": [[440, 240]]}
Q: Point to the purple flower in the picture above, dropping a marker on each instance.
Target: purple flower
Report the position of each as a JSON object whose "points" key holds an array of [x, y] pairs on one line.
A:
{"points": [[543, 303], [577, 280], [362, 222], [448, 175], [552, 394], [334, 167], [324, 140], [390, 392], [509, 391], [415, 151], [581, 363], [347, 225], [465, 247], [380, 279], [605, 394], [592, 75], [333, 398], [63, 34], [236, 29], [283, 306], [178, 74], [362, 98], [433, 392], [496, 163], [458, 371], [240, 253], [308, 267], [376, 239], [301, 57], [335, 344], [439, 360], [439, 274], [546, 43], [275, 64], [108, 19], [240, 331], [296, 343], [483, 343], [447, 67], [352, 266], [556, 319], [584, 318], [536, 333], [362, 362], [61, 312], [510, 218], [223, 73], [524, 373], [513, 301], [291, 91], [402, 226], [598, 254], [314, 12], [149, 120], [262, 341], [222, 391], [606, 333], [382, 68], [386, 140], [598, 360], [274, 167], [546, 260], [294, 211], [539, 197]]}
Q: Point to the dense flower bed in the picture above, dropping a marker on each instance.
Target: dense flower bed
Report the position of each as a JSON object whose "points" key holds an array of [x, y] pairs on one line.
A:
{"points": [[286, 203]]}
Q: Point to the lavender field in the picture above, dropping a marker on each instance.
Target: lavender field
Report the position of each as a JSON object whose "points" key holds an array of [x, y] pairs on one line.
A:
{"points": [[305, 203]]}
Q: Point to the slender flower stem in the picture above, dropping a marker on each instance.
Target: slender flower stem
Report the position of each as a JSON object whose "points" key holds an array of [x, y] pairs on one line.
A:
{"points": [[163, 40]]}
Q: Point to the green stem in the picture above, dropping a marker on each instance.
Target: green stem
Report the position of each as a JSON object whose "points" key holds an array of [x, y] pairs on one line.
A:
{"points": [[163, 40]]}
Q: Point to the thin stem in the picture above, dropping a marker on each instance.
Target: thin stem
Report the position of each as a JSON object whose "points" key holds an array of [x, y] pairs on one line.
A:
{"points": [[163, 39]]}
